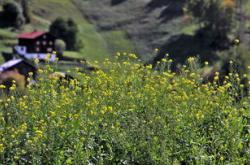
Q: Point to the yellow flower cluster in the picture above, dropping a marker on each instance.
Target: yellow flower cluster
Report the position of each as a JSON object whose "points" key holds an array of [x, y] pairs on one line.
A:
{"points": [[125, 113]]}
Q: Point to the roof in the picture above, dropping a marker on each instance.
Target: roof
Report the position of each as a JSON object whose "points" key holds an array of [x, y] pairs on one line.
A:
{"points": [[30, 35], [9, 64]]}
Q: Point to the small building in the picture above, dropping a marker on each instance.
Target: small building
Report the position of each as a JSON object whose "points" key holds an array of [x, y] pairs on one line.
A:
{"points": [[36, 44], [15, 70], [21, 66]]}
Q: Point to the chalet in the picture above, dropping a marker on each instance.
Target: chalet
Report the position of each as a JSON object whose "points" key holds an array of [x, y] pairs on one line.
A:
{"points": [[23, 67], [36, 44], [16, 70]]}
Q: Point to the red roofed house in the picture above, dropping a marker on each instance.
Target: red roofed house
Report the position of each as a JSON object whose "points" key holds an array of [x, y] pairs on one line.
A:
{"points": [[35, 44]]}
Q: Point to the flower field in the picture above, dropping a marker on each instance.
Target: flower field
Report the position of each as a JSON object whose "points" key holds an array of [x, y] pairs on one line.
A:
{"points": [[126, 114]]}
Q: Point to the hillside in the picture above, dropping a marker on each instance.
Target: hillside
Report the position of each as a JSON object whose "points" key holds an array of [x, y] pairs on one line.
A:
{"points": [[149, 24], [95, 46], [134, 26], [142, 96], [106, 27], [109, 26]]}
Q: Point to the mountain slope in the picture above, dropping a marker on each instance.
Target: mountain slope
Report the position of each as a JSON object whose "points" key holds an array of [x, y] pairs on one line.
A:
{"points": [[50, 9], [148, 23], [96, 46], [109, 26]]}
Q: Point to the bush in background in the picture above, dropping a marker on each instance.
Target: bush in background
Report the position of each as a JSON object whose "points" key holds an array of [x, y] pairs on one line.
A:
{"points": [[60, 47], [66, 30]]}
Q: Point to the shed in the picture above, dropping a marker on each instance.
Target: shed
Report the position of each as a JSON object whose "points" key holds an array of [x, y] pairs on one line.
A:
{"points": [[22, 66]]}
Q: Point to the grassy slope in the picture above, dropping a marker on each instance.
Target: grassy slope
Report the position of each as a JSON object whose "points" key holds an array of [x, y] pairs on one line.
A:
{"points": [[97, 45], [117, 41], [50, 9], [7, 39], [145, 26], [248, 13]]}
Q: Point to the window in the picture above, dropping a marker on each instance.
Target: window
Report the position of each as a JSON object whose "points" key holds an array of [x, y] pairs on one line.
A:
{"points": [[44, 37], [49, 50], [37, 42], [50, 43], [44, 43], [37, 49]]}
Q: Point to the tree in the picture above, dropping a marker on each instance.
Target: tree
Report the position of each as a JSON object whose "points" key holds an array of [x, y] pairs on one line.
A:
{"points": [[72, 34], [12, 15], [216, 16], [66, 30], [59, 28]]}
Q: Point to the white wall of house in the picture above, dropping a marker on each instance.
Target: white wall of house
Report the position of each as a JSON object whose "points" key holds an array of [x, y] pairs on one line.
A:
{"points": [[22, 50]]}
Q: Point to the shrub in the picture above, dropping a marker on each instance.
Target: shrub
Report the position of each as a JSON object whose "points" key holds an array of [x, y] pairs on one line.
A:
{"points": [[66, 30], [128, 114], [60, 46]]}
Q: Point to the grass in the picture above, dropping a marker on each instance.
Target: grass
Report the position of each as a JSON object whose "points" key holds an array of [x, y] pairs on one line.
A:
{"points": [[95, 47], [247, 7], [6, 34], [91, 39], [118, 41], [190, 29], [99, 44], [72, 54], [46, 11], [7, 39], [129, 114]]}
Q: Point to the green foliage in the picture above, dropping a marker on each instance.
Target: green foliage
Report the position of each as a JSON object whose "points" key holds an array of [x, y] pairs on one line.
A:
{"points": [[128, 114], [215, 15], [66, 30], [12, 15], [60, 46], [118, 41], [239, 55]]}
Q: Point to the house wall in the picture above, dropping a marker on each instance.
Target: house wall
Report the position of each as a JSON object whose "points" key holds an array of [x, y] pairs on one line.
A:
{"points": [[45, 44], [42, 44], [28, 43]]}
